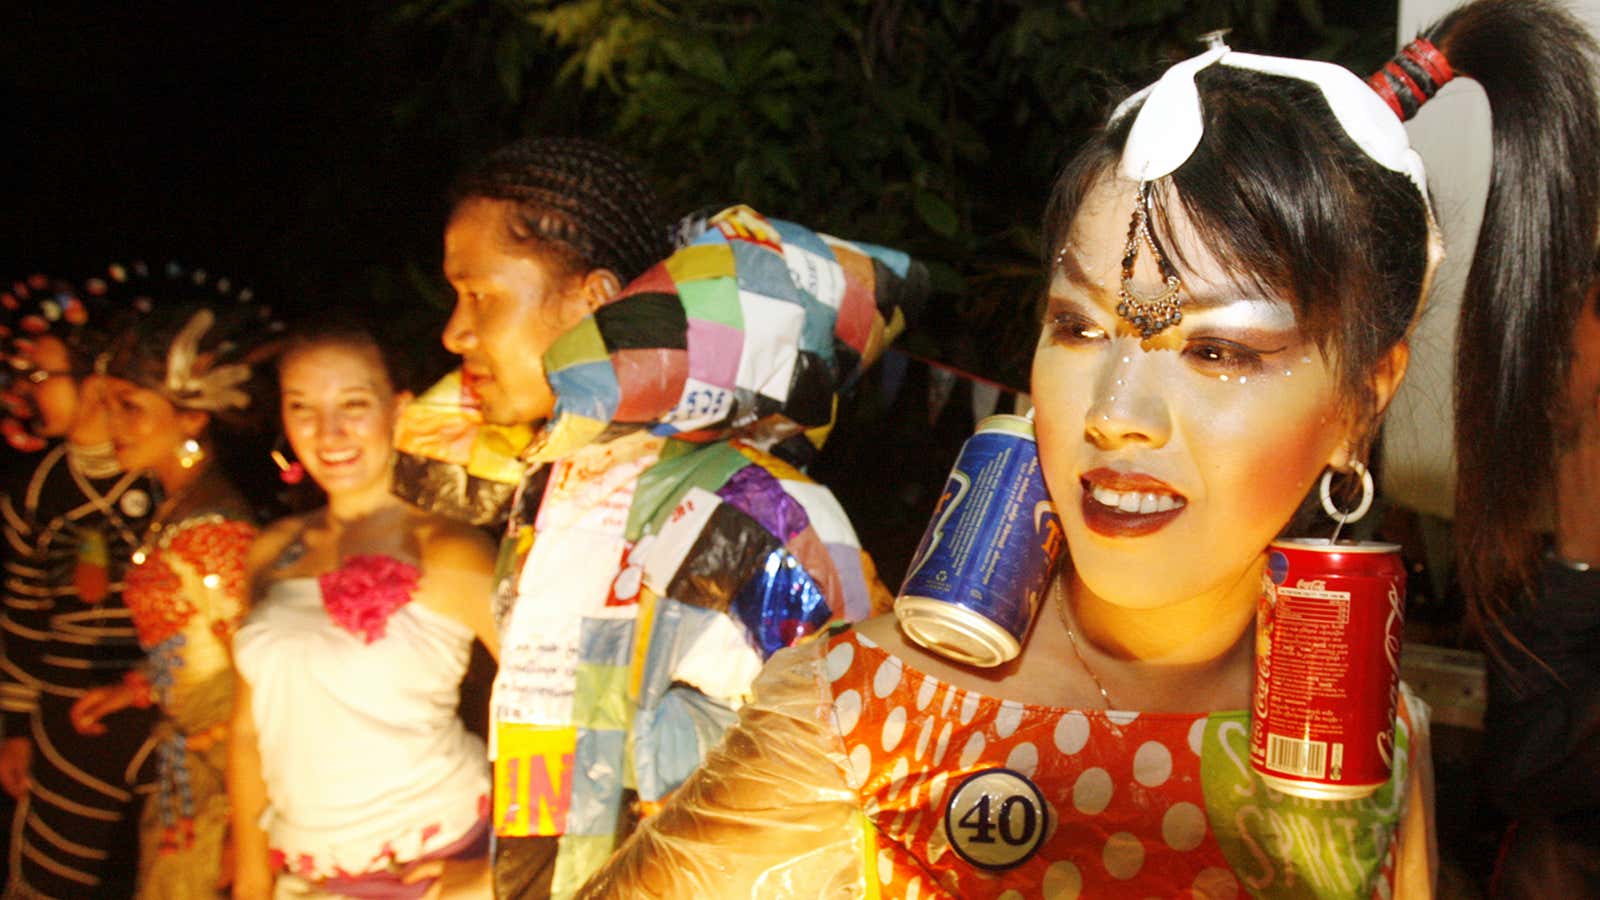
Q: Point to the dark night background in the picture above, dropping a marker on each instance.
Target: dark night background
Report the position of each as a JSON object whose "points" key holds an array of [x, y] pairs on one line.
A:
{"points": [[257, 142]]}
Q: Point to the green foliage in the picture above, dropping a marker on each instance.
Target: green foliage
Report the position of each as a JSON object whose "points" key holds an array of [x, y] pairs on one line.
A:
{"points": [[931, 125]]}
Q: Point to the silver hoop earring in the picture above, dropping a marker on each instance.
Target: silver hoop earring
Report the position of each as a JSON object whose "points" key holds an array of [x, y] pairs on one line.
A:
{"points": [[1367, 492]]}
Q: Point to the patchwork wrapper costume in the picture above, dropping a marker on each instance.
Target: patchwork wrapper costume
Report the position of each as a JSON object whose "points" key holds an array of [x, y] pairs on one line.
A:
{"points": [[852, 774], [658, 549], [450, 461]]}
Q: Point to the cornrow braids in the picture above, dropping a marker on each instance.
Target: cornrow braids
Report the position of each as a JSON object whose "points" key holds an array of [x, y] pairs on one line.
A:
{"points": [[576, 197]]}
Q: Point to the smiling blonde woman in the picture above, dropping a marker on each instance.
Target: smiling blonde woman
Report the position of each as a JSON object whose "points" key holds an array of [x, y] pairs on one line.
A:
{"points": [[350, 772]]}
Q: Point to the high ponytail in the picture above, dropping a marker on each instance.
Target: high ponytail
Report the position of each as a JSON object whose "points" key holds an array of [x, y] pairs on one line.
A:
{"points": [[1530, 270]]}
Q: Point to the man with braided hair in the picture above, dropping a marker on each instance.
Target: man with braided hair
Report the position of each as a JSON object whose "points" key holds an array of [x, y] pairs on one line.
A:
{"points": [[657, 550]]}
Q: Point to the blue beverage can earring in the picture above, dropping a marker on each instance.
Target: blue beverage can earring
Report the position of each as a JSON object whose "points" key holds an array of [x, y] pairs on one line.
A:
{"points": [[984, 563]]}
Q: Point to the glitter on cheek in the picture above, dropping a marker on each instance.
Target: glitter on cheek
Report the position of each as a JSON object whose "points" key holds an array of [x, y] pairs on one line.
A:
{"points": [[1223, 377], [1243, 379]]}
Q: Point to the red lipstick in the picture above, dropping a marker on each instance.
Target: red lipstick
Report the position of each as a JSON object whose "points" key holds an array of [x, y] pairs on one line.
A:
{"points": [[1112, 521]]}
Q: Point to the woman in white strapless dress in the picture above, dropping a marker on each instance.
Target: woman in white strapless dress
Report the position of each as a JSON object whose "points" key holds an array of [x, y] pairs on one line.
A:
{"points": [[351, 772]]}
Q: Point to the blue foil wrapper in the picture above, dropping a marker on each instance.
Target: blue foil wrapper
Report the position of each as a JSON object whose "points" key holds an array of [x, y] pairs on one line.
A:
{"points": [[780, 604]]}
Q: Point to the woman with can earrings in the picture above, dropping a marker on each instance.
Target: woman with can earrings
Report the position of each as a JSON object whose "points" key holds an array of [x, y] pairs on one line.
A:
{"points": [[349, 770], [1235, 261], [171, 376]]}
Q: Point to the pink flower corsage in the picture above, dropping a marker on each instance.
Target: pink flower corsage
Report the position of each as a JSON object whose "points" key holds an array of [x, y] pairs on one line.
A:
{"points": [[362, 594]]}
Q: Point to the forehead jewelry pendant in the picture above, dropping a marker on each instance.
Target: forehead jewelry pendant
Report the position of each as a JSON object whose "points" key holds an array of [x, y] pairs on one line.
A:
{"points": [[1151, 315]]}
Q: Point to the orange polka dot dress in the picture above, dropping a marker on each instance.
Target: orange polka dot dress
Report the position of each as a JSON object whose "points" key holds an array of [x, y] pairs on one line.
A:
{"points": [[969, 796]]}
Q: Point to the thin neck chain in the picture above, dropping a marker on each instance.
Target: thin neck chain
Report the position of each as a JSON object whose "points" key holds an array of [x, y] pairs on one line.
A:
{"points": [[1061, 610]]}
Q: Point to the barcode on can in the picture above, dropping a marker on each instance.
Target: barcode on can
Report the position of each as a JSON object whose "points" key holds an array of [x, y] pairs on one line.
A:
{"points": [[1307, 759]]}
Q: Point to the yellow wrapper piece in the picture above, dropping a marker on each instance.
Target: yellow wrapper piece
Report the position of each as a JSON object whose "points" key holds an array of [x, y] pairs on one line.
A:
{"points": [[532, 779], [438, 425]]}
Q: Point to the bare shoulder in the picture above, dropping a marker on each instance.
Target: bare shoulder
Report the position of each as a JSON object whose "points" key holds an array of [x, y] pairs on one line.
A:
{"points": [[446, 543], [271, 540], [457, 563], [884, 631]]}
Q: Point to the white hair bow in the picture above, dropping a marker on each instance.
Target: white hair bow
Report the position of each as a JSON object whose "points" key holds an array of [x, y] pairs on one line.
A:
{"points": [[1169, 125]]}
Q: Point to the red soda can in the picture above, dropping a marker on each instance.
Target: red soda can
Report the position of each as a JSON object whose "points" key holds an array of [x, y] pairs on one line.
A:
{"points": [[1328, 630]]}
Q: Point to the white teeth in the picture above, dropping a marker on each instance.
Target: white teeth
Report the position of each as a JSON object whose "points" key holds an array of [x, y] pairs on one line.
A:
{"points": [[340, 457], [1135, 501]]}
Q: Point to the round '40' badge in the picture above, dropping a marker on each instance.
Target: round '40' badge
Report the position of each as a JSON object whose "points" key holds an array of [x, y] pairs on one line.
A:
{"points": [[996, 819]]}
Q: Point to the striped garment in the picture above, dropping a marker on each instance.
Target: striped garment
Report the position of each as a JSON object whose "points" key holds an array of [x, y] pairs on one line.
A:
{"points": [[69, 528]]}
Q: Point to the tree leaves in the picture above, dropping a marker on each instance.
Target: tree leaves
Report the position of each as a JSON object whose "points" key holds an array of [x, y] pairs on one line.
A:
{"points": [[936, 127]]}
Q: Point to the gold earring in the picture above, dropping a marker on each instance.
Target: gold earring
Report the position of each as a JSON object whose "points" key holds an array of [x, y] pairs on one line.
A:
{"points": [[190, 453]]}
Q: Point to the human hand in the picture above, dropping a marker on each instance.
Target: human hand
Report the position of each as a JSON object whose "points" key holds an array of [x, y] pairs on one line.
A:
{"points": [[16, 754], [97, 704]]}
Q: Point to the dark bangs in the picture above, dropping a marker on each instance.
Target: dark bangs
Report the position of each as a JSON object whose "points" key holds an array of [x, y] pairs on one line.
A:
{"points": [[1291, 206]]}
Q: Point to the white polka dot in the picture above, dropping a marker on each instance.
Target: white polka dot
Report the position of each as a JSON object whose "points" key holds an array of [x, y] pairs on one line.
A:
{"points": [[894, 728], [860, 767], [887, 677], [1197, 735], [938, 845], [1183, 827], [838, 661], [1023, 758], [924, 735], [1123, 855], [897, 778], [913, 826], [914, 888], [885, 867], [936, 788], [1072, 732], [969, 708], [925, 692], [1091, 793], [1152, 764], [1122, 716], [1217, 883], [943, 745], [1007, 719], [973, 750], [1062, 881], [847, 711], [949, 697]]}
